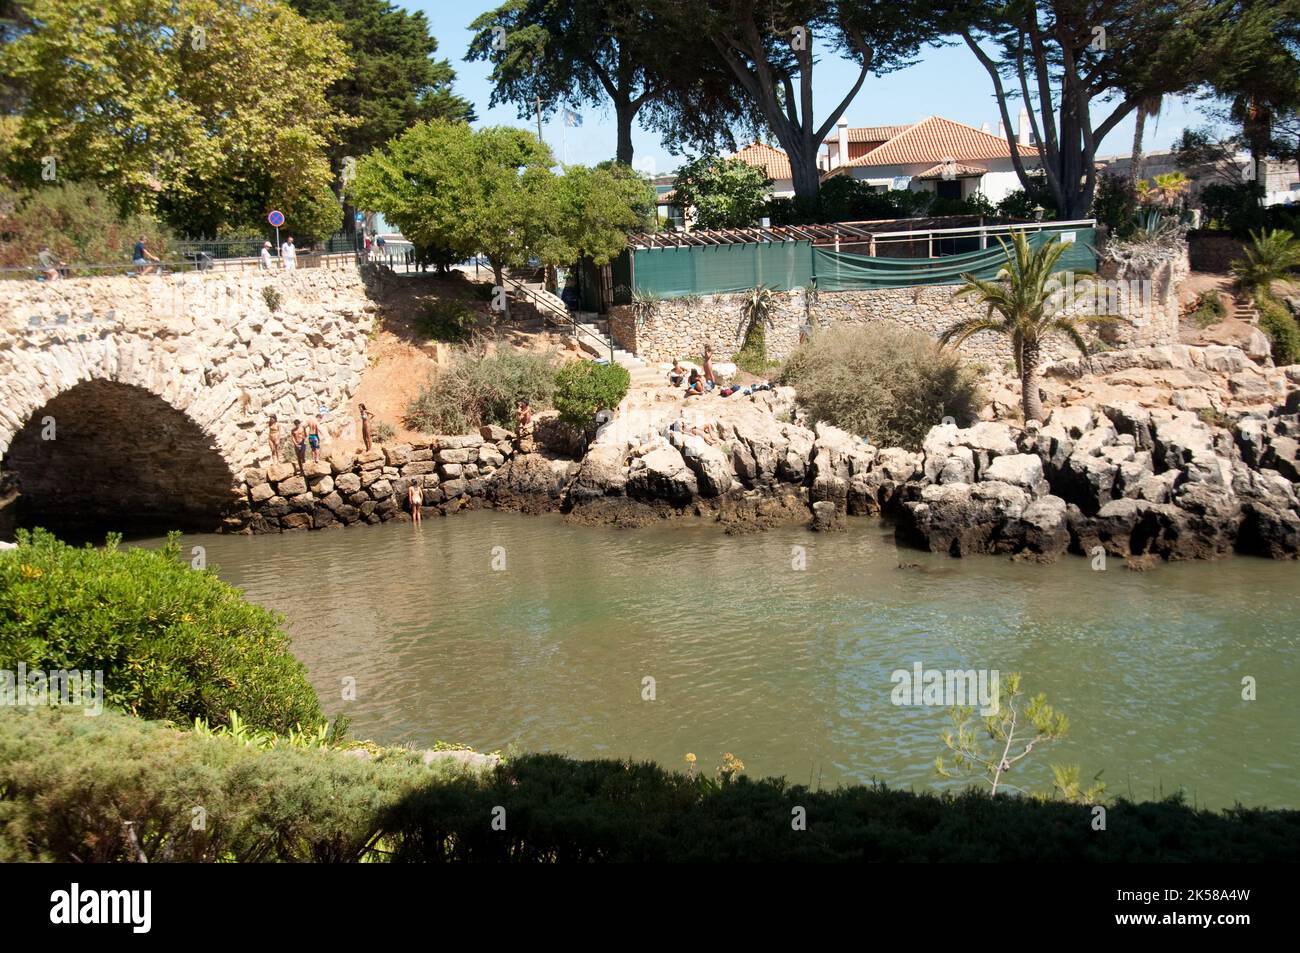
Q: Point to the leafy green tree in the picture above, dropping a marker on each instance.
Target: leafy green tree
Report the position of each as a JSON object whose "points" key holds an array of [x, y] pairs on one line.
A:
{"points": [[1025, 304], [393, 80], [722, 193], [207, 110], [449, 186], [595, 210], [547, 53], [1062, 58]]}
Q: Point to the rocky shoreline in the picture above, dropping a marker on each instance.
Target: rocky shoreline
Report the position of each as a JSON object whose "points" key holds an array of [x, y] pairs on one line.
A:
{"points": [[1139, 483]]}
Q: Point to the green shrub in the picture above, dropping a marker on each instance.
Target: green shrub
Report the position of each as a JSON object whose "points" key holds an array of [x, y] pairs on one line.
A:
{"points": [[447, 320], [384, 432], [272, 298], [1280, 326], [886, 384], [173, 642], [1209, 309], [79, 222], [584, 387], [71, 783], [481, 388]]}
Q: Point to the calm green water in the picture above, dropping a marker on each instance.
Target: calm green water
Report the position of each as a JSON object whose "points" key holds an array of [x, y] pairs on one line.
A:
{"points": [[790, 670]]}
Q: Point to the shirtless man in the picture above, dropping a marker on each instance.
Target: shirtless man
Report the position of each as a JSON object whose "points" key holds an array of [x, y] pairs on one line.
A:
{"points": [[709, 379], [273, 438], [299, 437], [415, 497], [313, 437]]}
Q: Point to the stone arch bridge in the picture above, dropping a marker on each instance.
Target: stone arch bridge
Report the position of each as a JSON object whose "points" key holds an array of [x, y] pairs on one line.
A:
{"points": [[138, 402]]}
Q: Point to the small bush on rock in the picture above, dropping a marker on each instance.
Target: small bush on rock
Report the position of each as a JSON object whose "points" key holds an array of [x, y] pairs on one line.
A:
{"points": [[1283, 332], [173, 642], [584, 387], [883, 383], [481, 388]]}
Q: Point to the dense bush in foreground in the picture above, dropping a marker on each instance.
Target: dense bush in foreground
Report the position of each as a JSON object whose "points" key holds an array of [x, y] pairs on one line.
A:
{"points": [[69, 784], [887, 385], [173, 642]]}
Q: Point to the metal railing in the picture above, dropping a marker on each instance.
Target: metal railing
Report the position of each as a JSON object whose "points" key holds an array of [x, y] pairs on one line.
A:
{"points": [[561, 317], [173, 266]]}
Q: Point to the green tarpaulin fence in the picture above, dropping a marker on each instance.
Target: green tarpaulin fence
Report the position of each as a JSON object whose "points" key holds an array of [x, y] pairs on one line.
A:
{"points": [[722, 269], [726, 269]]}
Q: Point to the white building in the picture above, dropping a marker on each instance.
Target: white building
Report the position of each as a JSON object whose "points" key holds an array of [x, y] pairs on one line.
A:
{"points": [[934, 155]]}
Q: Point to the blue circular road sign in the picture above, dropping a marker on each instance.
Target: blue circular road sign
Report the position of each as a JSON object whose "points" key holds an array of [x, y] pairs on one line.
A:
{"points": [[276, 219]]}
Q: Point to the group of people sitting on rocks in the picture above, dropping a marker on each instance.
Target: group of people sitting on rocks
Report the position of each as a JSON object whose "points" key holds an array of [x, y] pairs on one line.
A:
{"points": [[700, 382]]}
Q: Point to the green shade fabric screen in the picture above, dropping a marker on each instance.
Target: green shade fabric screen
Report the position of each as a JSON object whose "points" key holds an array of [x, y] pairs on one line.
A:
{"points": [[837, 271], [728, 269], [722, 269]]}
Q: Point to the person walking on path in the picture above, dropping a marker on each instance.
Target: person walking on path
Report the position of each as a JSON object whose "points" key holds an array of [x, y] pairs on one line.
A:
{"points": [[289, 254], [273, 438], [366, 417], [524, 426], [266, 256], [141, 256]]}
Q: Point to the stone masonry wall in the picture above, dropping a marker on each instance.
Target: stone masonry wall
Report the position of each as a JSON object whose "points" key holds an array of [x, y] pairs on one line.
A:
{"points": [[679, 327], [206, 344], [371, 487]]}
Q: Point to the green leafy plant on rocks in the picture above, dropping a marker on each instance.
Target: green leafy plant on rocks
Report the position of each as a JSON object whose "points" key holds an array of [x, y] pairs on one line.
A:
{"points": [[758, 317], [272, 298], [584, 387], [172, 642], [1208, 310], [1280, 327]]}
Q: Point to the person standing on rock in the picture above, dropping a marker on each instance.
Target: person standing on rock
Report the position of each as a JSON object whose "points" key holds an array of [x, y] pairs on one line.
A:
{"points": [[299, 437], [313, 438], [273, 438], [709, 379], [289, 254], [415, 497], [366, 417], [524, 426]]}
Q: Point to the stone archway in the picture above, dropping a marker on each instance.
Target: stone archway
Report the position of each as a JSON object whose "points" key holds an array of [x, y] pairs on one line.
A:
{"points": [[104, 456]]}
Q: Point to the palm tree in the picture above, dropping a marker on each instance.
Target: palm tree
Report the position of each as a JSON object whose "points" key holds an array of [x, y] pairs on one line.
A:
{"points": [[1026, 303], [1163, 190], [1148, 108], [1269, 257]]}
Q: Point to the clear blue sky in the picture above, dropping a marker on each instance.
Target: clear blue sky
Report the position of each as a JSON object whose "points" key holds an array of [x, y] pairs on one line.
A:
{"points": [[946, 81]]}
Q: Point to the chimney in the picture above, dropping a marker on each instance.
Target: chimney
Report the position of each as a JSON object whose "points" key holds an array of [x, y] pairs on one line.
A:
{"points": [[984, 128], [844, 141], [1002, 130], [1024, 127]]}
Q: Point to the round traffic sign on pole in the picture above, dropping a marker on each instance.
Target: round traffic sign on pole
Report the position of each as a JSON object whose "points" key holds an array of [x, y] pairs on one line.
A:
{"points": [[276, 219]]}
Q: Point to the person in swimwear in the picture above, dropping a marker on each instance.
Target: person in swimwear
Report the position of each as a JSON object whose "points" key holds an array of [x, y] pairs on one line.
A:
{"points": [[415, 497], [273, 438], [313, 438], [366, 417], [299, 437]]}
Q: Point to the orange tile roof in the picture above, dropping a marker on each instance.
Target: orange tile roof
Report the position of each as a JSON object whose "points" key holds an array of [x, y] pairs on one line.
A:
{"points": [[958, 171], [868, 133], [772, 161], [935, 140]]}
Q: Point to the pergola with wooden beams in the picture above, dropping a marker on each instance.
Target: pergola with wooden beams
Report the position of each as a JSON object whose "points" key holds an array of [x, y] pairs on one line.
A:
{"points": [[847, 233]]}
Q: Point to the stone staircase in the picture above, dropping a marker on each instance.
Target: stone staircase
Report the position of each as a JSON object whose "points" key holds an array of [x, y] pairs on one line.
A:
{"points": [[1244, 309]]}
